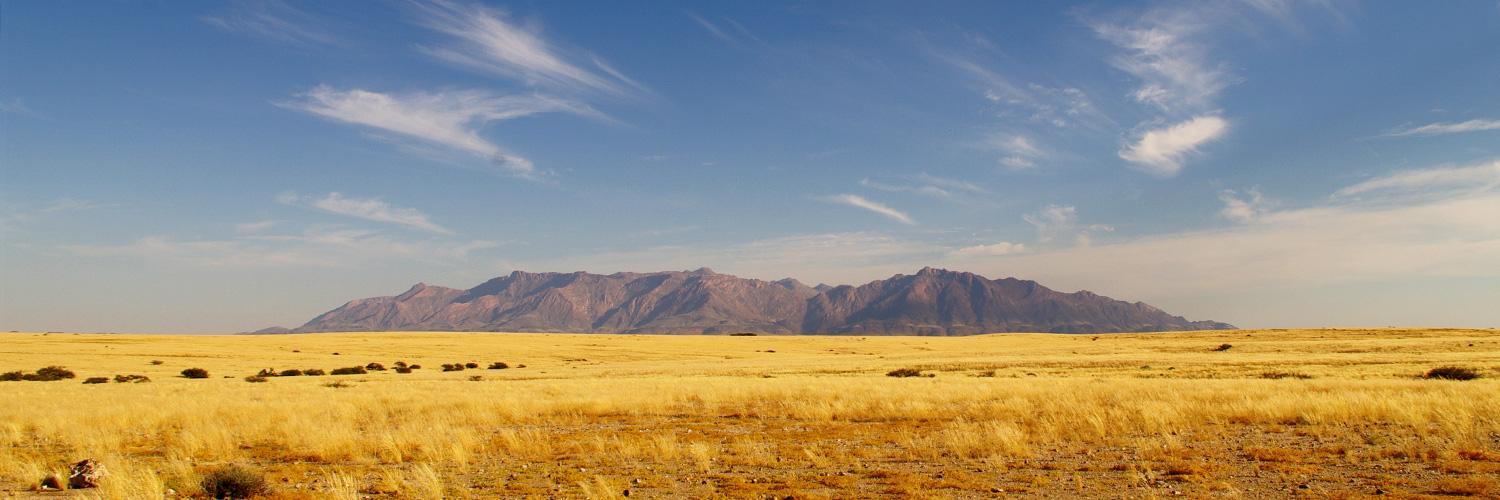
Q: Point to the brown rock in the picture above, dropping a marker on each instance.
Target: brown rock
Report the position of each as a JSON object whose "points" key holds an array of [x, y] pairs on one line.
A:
{"points": [[86, 474]]}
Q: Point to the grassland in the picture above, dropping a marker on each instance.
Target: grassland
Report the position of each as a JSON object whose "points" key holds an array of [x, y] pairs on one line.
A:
{"points": [[1322, 413]]}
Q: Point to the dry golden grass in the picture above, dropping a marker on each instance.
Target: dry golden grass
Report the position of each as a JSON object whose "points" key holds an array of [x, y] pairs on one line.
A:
{"points": [[597, 415]]}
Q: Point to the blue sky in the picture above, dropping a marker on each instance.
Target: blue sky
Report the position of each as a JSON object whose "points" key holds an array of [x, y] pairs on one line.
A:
{"points": [[224, 166]]}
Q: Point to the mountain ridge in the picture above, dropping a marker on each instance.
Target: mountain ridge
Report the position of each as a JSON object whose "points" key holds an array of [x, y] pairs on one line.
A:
{"points": [[930, 302]]}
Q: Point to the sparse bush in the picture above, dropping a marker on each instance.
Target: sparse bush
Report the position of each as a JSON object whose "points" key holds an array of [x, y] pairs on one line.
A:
{"points": [[448, 367], [499, 365], [291, 373], [11, 376], [255, 378], [1452, 373], [520, 366], [352, 370], [234, 482], [338, 385], [314, 372], [907, 372], [157, 362], [1223, 347], [403, 369], [96, 380], [121, 379], [476, 378], [195, 373], [471, 364], [1282, 375], [375, 367], [744, 334], [400, 364], [415, 367], [266, 372]]}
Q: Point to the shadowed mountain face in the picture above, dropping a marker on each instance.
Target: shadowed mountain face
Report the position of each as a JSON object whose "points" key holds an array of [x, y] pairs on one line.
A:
{"points": [[931, 302]]}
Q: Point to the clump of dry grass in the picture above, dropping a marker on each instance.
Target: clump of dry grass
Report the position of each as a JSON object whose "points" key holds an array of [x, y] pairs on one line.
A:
{"points": [[234, 482]]}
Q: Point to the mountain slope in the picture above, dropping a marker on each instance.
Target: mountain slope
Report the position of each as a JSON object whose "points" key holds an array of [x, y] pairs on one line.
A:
{"points": [[931, 302]]}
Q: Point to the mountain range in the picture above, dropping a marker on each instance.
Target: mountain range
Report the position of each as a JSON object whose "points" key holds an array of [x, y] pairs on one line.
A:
{"points": [[930, 302]]}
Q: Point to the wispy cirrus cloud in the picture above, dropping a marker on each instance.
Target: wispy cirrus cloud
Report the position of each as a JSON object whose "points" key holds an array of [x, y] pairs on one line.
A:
{"points": [[273, 20], [450, 118], [731, 32], [925, 184], [858, 201], [1483, 176], [371, 209], [487, 40], [1161, 151], [1475, 125], [1161, 50], [1017, 151]]}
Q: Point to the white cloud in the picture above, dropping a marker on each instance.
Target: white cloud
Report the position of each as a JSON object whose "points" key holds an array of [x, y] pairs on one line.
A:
{"points": [[490, 42], [1173, 67], [1242, 210], [1017, 151], [372, 209], [1060, 107], [1060, 222], [254, 227], [449, 118], [1478, 177], [312, 248], [1161, 151], [272, 20], [1477, 125], [991, 250], [861, 202]]}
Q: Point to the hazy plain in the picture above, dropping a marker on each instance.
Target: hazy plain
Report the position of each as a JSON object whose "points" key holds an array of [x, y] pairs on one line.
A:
{"points": [[1277, 413]]}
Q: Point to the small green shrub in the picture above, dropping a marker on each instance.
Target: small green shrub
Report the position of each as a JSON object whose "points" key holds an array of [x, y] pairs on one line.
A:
{"points": [[499, 365], [11, 376], [907, 372], [453, 367], [375, 367], [1452, 373], [351, 370], [403, 369], [291, 373], [157, 362], [314, 372], [121, 379], [1223, 347], [471, 364], [234, 482], [195, 373], [96, 380]]}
